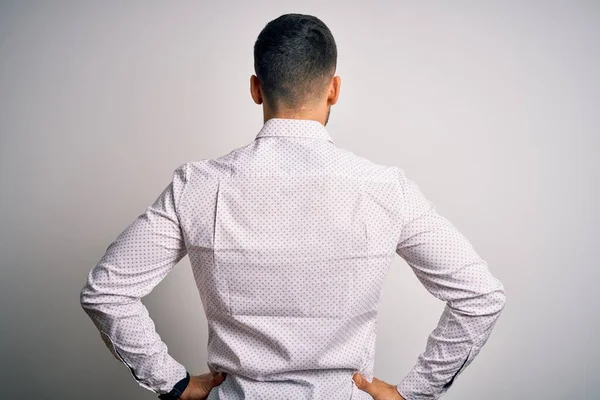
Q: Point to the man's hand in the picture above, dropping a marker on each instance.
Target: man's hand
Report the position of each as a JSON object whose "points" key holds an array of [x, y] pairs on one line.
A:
{"points": [[200, 385], [378, 389]]}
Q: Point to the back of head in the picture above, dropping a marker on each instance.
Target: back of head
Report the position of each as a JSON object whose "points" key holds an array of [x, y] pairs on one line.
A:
{"points": [[295, 57]]}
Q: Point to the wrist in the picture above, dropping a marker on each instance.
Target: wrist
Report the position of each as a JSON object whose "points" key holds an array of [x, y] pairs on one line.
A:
{"points": [[178, 389]]}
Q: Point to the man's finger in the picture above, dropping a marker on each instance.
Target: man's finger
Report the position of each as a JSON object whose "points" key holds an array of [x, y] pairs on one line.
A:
{"points": [[210, 380], [364, 384], [219, 377]]}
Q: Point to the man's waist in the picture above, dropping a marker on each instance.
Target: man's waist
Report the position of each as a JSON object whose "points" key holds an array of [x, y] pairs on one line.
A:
{"points": [[303, 384]]}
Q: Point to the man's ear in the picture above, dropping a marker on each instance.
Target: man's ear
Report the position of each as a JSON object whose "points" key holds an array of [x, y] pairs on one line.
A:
{"points": [[255, 90], [334, 90]]}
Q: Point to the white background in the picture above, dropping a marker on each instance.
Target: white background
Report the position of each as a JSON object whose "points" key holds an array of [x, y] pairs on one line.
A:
{"points": [[491, 107]]}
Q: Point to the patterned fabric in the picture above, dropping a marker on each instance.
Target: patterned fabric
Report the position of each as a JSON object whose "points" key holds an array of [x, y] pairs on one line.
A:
{"points": [[290, 239]]}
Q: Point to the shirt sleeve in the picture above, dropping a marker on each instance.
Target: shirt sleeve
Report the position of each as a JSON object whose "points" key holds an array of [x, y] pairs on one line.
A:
{"points": [[448, 266], [140, 257]]}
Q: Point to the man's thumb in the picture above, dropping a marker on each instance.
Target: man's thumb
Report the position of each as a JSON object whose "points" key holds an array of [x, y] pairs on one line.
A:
{"points": [[219, 377], [361, 382]]}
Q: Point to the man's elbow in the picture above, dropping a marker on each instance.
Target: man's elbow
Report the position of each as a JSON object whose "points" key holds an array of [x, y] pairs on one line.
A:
{"points": [[496, 300], [85, 297], [90, 294], [94, 293], [483, 303]]}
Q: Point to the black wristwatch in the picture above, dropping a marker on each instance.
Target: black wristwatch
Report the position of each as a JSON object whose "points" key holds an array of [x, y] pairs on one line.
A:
{"points": [[177, 390]]}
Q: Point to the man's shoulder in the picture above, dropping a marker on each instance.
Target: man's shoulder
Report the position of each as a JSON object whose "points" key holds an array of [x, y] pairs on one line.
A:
{"points": [[215, 167], [367, 168], [344, 160]]}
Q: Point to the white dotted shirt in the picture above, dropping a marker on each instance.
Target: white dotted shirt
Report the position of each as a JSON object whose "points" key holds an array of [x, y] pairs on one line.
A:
{"points": [[290, 239]]}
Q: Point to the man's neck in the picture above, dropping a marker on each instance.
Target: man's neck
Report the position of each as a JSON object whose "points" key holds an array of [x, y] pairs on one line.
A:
{"points": [[296, 114]]}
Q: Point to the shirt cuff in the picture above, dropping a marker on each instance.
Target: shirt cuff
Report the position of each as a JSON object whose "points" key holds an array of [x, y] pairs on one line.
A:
{"points": [[177, 390], [415, 387]]}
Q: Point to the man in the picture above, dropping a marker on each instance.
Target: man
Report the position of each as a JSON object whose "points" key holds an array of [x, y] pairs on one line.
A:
{"points": [[290, 238]]}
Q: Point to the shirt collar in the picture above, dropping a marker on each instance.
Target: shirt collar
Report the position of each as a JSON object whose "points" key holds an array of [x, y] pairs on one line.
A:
{"points": [[294, 127]]}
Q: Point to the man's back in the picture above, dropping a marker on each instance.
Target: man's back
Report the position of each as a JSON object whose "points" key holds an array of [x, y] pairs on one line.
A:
{"points": [[290, 239]]}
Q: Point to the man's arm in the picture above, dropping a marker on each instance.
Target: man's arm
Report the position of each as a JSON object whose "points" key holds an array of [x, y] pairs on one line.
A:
{"points": [[140, 257], [448, 266]]}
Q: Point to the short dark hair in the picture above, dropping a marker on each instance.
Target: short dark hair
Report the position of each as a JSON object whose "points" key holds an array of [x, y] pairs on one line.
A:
{"points": [[295, 55]]}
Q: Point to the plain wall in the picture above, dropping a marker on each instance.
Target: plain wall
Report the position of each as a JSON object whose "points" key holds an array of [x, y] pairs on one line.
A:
{"points": [[491, 107]]}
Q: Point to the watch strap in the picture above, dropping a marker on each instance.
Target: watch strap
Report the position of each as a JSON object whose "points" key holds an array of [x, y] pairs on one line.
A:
{"points": [[177, 390]]}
